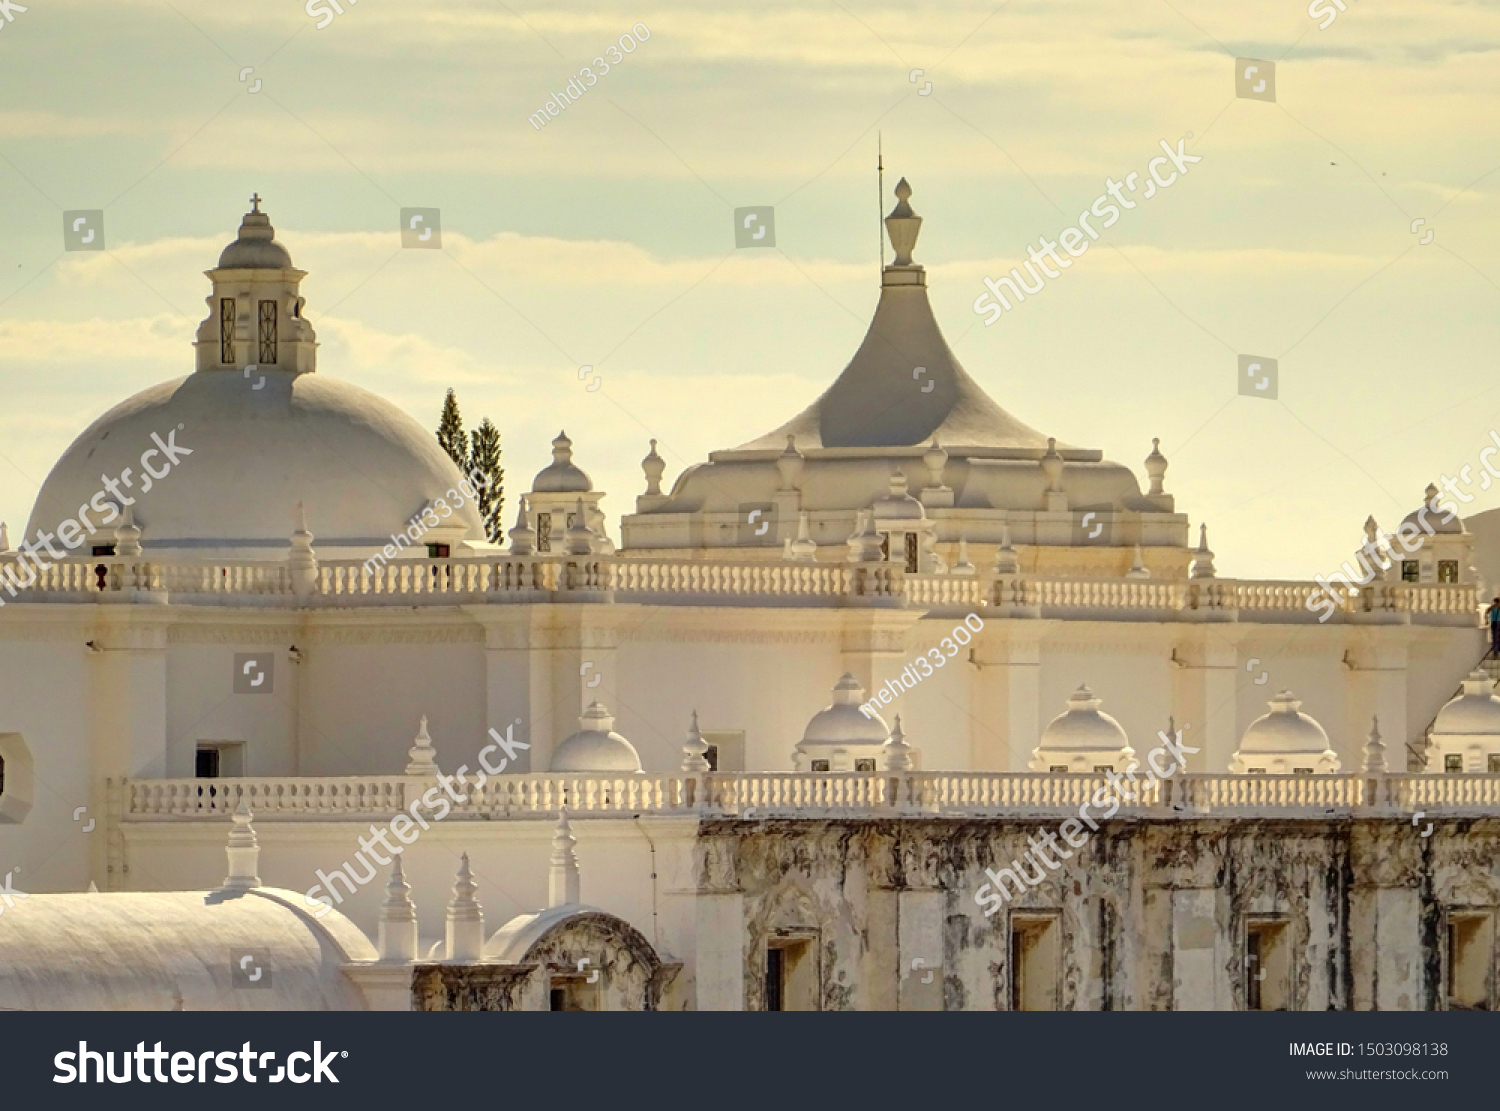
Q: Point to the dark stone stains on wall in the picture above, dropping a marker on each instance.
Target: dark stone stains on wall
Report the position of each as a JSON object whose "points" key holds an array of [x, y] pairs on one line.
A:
{"points": [[485, 987], [1113, 898]]}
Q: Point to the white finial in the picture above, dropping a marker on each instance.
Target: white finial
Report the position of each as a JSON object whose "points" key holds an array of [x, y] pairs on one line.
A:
{"points": [[562, 873], [127, 535], [654, 466], [1138, 568], [694, 749], [897, 751], [1203, 558], [864, 544], [422, 756], [789, 464], [243, 852], [903, 225], [803, 549], [1156, 469], [1006, 560], [963, 566], [523, 536], [465, 921], [302, 561], [4, 537], [1375, 750], [579, 537], [397, 940], [93, 888], [936, 459], [1052, 466]]}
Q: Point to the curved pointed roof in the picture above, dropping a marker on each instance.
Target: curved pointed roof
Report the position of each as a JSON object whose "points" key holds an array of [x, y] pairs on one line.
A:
{"points": [[904, 385]]}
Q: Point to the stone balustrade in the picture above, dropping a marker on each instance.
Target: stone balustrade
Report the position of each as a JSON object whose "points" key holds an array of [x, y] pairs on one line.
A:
{"points": [[562, 578], [763, 795]]}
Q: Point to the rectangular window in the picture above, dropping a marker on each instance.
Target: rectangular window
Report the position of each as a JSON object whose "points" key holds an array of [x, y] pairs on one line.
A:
{"points": [[1411, 571], [885, 547], [226, 330], [712, 756], [1471, 944], [864, 765], [1035, 967], [820, 765], [103, 550], [791, 973], [544, 532], [219, 760], [1268, 965], [1103, 769], [1302, 771], [1447, 570], [437, 551], [1061, 769], [1494, 763], [1453, 762], [775, 978], [574, 993], [911, 553], [268, 333]]}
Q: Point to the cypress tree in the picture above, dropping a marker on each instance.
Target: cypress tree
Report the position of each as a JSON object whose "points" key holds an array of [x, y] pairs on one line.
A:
{"points": [[450, 434], [484, 457]]}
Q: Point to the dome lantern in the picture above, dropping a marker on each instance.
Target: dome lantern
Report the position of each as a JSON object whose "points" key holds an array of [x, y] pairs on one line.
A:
{"points": [[255, 320]]}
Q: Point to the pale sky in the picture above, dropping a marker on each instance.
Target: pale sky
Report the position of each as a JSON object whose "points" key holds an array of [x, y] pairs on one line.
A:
{"points": [[606, 238]]}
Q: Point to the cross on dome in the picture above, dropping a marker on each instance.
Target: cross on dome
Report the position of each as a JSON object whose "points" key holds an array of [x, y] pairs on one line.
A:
{"points": [[255, 202]]}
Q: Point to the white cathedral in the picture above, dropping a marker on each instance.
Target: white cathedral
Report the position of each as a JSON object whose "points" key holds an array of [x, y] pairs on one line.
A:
{"points": [[777, 735]]}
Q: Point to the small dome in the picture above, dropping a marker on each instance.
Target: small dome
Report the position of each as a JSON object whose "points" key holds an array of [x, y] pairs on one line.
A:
{"points": [[843, 722], [1476, 712], [898, 505], [561, 476], [1083, 726], [596, 747], [256, 248], [1082, 738], [1277, 741], [1438, 520]]}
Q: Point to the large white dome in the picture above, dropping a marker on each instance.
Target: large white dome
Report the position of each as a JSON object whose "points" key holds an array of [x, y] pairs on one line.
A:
{"points": [[265, 432], [361, 466]]}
